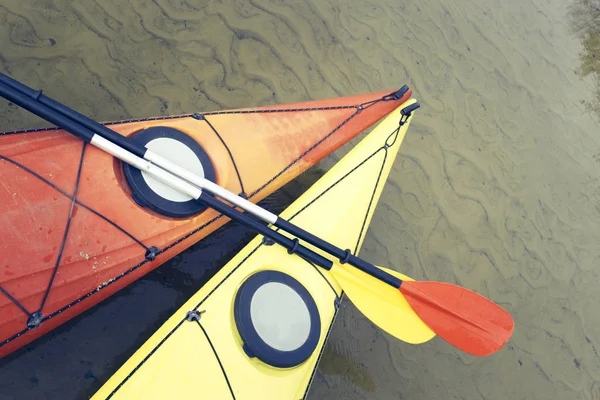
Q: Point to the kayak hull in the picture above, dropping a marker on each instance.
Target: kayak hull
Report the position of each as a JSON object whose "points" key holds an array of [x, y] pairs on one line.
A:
{"points": [[338, 208], [73, 234]]}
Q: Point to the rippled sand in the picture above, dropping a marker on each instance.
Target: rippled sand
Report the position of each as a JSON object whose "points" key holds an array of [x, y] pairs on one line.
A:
{"points": [[497, 187]]}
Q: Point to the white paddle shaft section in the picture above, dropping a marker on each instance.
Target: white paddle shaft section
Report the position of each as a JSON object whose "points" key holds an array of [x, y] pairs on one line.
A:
{"points": [[146, 166], [211, 187]]}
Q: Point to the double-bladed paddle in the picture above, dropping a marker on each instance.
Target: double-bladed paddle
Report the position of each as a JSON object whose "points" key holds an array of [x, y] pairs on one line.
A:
{"points": [[463, 318]]}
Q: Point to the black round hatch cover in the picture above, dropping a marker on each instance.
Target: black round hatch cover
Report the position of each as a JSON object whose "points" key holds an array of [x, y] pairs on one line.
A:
{"points": [[177, 147], [277, 319]]}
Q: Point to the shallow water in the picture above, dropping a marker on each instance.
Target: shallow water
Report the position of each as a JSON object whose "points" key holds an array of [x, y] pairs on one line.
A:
{"points": [[496, 187]]}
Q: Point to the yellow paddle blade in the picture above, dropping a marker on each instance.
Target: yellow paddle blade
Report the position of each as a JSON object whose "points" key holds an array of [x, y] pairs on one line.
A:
{"points": [[382, 304]]}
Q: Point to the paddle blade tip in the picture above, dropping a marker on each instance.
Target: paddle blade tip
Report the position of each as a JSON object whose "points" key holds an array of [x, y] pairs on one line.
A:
{"points": [[463, 318]]}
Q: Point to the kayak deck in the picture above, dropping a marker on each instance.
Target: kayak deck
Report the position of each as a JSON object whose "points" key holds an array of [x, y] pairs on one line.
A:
{"points": [[200, 342]]}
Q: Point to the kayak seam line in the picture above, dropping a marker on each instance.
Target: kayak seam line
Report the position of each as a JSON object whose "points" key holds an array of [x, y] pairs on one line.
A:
{"points": [[131, 120], [359, 106], [188, 235], [218, 359], [68, 225], [284, 110], [230, 156]]}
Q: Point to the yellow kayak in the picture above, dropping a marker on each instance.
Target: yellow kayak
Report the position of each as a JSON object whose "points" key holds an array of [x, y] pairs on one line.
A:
{"points": [[257, 329]]}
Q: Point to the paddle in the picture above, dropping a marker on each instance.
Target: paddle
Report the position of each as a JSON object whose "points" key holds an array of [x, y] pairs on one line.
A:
{"points": [[479, 327]]}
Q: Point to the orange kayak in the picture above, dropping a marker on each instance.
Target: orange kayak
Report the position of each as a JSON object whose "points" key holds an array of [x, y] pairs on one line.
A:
{"points": [[76, 225]]}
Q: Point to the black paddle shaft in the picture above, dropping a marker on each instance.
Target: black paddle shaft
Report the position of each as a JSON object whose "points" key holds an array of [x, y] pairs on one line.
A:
{"points": [[36, 96], [345, 256], [33, 106], [292, 245]]}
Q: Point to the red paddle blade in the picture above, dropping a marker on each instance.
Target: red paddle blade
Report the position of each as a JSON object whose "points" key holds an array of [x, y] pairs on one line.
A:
{"points": [[463, 318]]}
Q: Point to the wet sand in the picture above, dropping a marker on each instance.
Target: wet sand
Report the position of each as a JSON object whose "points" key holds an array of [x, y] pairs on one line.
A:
{"points": [[496, 187]]}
